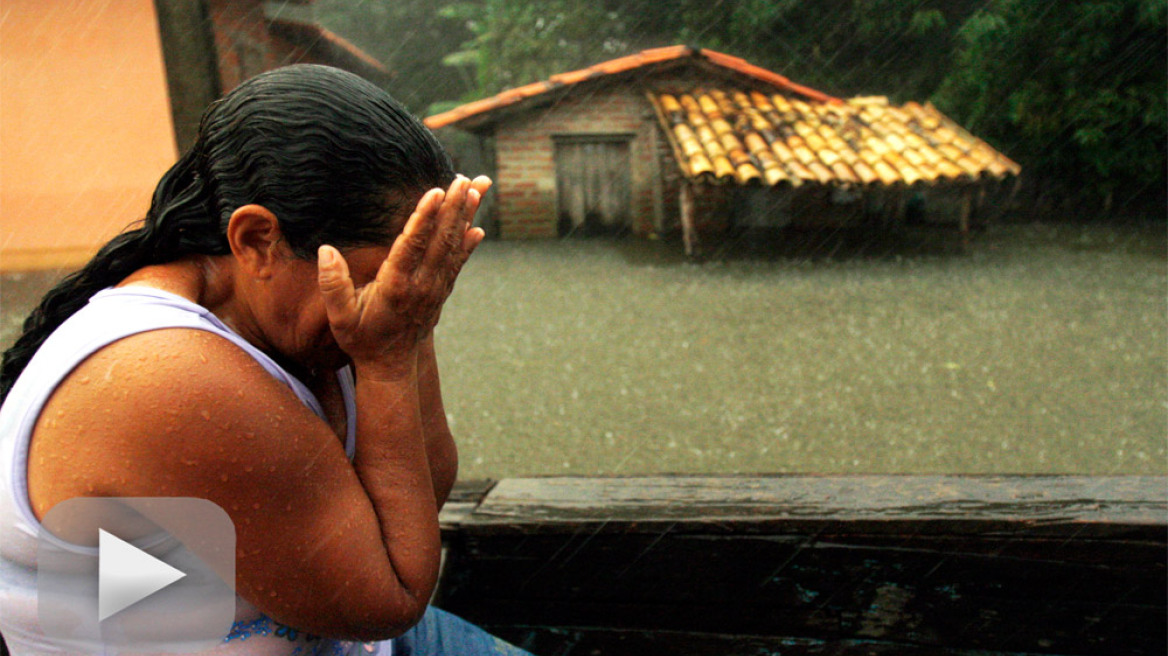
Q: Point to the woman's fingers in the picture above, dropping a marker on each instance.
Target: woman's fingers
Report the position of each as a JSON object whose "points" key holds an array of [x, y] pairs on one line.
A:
{"points": [[474, 236], [472, 239], [441, 222], [451, 222], [411, 246], [336, 288], [481, 184], [424, 261]]}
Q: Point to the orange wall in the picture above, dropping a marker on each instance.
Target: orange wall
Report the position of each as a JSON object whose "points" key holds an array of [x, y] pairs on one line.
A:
{"points": [[85, 125]]}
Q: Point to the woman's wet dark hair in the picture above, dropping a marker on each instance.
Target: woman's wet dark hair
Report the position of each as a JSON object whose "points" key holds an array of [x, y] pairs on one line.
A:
{"points": [[334, 157]]}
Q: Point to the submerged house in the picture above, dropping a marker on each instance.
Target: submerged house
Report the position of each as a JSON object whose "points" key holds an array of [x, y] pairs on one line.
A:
{"points": [[696, 141]]}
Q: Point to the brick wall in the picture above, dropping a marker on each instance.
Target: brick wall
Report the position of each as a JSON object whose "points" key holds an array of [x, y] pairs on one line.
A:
{"points": [[525, 157]]}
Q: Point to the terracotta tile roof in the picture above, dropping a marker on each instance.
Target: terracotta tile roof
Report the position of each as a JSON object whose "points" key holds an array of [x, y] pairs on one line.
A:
{"points": [[730, 135], [640, 60]]}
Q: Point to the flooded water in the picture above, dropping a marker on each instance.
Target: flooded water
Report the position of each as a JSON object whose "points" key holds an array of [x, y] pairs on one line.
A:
{"points": [[1043, 350]]}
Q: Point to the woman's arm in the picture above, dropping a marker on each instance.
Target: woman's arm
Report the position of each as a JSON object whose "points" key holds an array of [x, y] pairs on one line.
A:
{"points": [[441, 451], [386, 329]]}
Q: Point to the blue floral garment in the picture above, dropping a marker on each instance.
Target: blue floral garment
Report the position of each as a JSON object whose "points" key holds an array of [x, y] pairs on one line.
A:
{"points": [[442, 634], [438, 634]]}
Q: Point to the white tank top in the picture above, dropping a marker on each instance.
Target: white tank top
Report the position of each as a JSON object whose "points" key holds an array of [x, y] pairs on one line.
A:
{"points": [[111, 315]]}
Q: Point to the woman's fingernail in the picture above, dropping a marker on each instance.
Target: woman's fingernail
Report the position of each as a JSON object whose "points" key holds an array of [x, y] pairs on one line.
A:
{"points": [[326, 255]]}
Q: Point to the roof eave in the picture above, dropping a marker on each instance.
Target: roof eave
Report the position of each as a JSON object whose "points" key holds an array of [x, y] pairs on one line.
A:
{"points": [[644, 63]]}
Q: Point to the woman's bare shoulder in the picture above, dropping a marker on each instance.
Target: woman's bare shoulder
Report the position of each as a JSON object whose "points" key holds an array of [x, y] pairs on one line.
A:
{"points": [[153, 413]]}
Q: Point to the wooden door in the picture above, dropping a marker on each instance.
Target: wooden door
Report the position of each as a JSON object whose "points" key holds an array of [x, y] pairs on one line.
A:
{"points": [[592, 185]]}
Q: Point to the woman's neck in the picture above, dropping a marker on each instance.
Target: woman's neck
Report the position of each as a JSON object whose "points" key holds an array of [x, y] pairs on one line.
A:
{"points": [[205, 280]]}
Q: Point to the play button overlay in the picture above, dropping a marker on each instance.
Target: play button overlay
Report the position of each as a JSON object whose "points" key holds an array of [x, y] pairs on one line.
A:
{"points": [[150, 574], [127, 575]]}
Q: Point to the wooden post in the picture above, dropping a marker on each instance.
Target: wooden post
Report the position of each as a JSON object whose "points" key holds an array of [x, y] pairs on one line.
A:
{"points": [[963, 218], [688, 233], [192, 67], [658, 182]]}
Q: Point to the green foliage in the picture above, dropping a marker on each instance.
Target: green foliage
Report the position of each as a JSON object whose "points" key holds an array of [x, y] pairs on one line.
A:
{"points": [[410, 37], [851, 47], [1075, 91], [517, 43]]}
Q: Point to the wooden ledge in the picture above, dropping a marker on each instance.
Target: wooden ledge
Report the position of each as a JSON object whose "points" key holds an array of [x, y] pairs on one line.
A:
{"points": [[730, 565], [1083, 504]]}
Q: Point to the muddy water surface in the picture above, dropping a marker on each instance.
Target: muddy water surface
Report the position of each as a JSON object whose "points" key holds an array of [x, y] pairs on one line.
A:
{"points": [[1045, 349]]}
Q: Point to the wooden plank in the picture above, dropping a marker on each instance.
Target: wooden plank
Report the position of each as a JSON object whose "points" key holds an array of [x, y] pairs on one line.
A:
{"points": [[592, 184], [1082, 504], [947, 564], [463, 500]]}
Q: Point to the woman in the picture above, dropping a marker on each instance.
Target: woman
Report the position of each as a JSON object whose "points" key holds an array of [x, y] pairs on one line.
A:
{"points": [[265, 341]]}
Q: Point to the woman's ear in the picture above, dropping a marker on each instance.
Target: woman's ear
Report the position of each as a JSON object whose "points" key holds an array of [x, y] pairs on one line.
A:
{"points": [[254, 235]]}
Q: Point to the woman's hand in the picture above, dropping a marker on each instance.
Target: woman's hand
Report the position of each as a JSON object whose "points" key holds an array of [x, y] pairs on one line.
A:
{"points": [[380, 324]]}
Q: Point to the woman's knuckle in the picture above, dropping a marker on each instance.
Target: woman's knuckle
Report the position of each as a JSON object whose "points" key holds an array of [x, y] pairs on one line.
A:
{"points": [[417, 243]]}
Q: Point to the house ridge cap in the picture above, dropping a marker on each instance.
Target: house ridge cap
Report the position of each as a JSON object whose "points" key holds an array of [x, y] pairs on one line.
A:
{"points": [[619, 65]]}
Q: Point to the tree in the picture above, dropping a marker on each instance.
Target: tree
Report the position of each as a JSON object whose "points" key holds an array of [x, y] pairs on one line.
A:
{"points": [[1077, 91], [515, 43], [411, 37]]}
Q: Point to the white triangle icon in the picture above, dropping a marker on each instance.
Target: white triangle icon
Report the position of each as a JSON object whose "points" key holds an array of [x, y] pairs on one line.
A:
{"points": [[126, 574]]}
